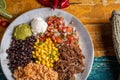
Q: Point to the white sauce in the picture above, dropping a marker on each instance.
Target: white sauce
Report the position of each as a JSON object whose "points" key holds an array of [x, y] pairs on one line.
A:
{"points": [[38, 25]]}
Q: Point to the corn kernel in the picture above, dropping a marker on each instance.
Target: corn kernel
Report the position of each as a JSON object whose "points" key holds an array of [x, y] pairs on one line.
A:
{"points": [[34, 56], [46, 53], [37, 62], [37, 54], [39, 58], [56, 58], [43, 62], [47, 64], [51, 65], [54, 52], [56, 49], [34, 46], [39, 50], [47, 58], [33, 52], [45, 49], [43, 56], [51, 61]]}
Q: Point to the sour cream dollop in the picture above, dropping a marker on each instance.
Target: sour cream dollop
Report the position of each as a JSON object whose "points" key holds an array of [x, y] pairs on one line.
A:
{"points": [[38, 25]]}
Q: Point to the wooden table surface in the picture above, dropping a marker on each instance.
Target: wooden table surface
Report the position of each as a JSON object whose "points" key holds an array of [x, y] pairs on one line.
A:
{"points": [[94, 14]]}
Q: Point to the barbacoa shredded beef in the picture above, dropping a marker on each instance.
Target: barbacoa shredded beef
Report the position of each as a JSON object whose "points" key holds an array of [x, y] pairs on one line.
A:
{"points": [[71, 62]]}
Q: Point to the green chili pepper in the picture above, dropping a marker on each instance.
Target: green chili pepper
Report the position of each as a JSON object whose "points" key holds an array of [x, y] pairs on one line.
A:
{"points": [[5, 14]]}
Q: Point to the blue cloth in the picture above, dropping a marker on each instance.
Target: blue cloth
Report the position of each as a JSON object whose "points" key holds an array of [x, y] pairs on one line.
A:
{"points": [[2, 77], [104, 68]]}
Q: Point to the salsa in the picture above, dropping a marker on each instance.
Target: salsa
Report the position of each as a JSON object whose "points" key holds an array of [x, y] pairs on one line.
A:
{"points": [[59, 32]]}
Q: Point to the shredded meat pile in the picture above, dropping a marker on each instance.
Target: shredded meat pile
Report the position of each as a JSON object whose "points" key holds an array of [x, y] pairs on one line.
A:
{"points": [[71, 62]]}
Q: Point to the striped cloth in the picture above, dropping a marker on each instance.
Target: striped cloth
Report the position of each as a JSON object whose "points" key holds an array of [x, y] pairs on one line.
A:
{"points": [[105, 68]]}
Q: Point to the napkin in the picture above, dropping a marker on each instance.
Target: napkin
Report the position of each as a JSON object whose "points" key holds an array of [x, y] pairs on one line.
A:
{"points": [[115, 21]]}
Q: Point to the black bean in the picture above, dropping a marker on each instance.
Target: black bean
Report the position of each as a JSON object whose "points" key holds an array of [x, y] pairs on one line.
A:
{"points": [[20, 52]]}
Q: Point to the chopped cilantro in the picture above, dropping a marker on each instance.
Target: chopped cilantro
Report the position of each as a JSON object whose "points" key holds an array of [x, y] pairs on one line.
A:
{"points": [[51, 56], [40, 43], [73, 33]]}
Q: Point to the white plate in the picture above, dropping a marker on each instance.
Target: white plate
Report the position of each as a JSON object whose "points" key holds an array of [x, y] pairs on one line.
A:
{"points": [[85, 41]]}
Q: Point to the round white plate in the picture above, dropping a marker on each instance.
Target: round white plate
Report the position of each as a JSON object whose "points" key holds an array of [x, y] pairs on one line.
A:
{"points": [[85, 41]]}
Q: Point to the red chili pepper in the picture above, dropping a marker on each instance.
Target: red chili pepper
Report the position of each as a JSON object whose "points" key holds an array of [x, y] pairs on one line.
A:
{"points": [[64, 3], [3, 23], [45, 3], [55, 3]]}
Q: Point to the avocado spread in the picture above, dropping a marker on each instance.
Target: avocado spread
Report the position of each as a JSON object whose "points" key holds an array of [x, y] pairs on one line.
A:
{"points": [[22, 31]]}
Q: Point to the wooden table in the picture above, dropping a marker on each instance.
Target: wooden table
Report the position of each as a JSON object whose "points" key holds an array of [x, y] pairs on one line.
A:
{"points": [[94, 14]]}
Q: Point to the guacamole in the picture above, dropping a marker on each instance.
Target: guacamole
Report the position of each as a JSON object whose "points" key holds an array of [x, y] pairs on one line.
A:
{"points": [[22, 31]]}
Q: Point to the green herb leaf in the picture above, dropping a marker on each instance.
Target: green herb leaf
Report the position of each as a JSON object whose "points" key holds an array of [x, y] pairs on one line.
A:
{"points": [[40, 43], [51, 56]]}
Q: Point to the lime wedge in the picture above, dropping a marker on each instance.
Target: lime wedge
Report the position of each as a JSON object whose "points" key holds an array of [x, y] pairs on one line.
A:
{"points": [[5, 14], [2, 4]]}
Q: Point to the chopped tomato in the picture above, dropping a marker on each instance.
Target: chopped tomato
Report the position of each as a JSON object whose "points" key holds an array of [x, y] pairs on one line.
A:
{"points": [[64, 34], [49, 34], [49, 23], [69, 29], [41, 38], [58, 39], [53, 38], [64, 29], [71, 39], [50, 28], [76, 35], [50, 18], [59, 28]]}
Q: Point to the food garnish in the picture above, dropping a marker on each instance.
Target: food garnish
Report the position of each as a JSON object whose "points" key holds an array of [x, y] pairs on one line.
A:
{"points": [[22, 31], [59, 32]]}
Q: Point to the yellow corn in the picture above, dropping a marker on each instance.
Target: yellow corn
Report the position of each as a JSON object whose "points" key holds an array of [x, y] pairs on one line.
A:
{"points": [[37, 62], [43, 62], [34, 56], [46, 53], [56, 58], [51, 61], [37, 54], [51, 65]]}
